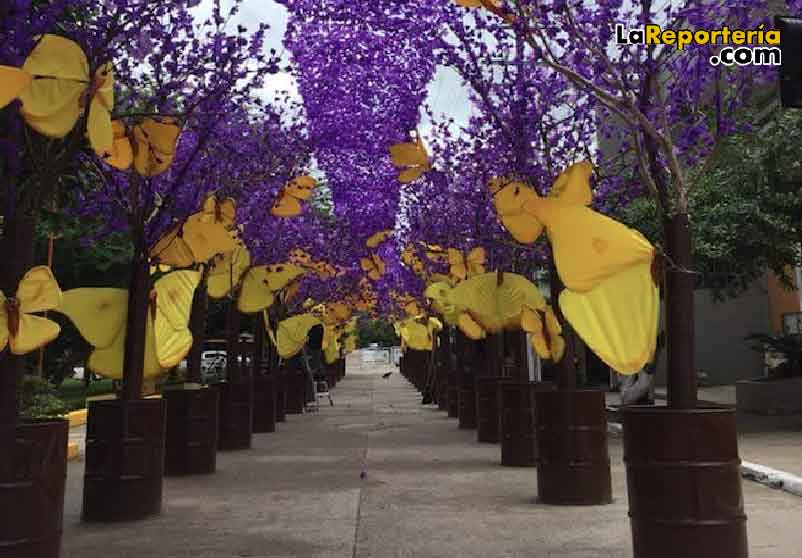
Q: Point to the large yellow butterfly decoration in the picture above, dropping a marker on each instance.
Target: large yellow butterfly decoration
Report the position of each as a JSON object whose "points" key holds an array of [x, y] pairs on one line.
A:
{"points": [[610, 299], [55, 89], [462, 267], [101, 317], [436, 253], [150, 148], [547, 341], [262, 283], [23, 332], [227, 271], [373, 266], [412, 157], [298, 190], [201, 237], [413, 261]]}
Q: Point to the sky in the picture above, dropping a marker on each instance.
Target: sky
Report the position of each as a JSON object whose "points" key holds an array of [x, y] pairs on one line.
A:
{"points": [[447, 95]]}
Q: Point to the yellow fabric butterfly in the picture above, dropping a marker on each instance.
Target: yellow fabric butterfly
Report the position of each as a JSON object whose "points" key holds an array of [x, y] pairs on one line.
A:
{"points": [[547, 341], [23, 332], [412, 157], [378, 238], [416, 335], [292, 333], [55, 88], [462, 267], [336, 313], [153, 147], [611, 299], [215, 211], [167, 335], [436, 253], [296, 191], [373, 266], [227, 270], [197, 240], [261, 284], [495, 299]]}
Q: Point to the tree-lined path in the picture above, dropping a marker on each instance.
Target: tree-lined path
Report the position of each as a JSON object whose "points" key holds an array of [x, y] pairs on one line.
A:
{"points": [[429, 491]]}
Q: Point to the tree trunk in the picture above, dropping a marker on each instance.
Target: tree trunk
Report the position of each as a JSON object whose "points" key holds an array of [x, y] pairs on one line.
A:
{"points": [[233, 371], [17, 248], [136, 328], [566, 368], [258, 346], [197, 325], [679, 288]]}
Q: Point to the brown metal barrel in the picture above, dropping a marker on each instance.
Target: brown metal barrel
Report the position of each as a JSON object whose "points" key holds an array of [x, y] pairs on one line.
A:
{"points": [[342, 368], [684, 483], [517, 425], [264, 403], [573, 466], [32, 491], [442, 389], [331, 374], [452, 391], [124, 459], [192, 430], [281, 393], [487, 409], [236, 414], [296, 391], [467, 401]]}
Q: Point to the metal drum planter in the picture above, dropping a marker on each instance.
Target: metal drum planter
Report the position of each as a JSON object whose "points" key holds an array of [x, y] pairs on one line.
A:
{"points": [[684, 483], [124, 459], [573, 466], [192, 430], [518, 421], [264, 404], [281, 393], [236, 414], [452, 394], [32, 492], [467, 400], [296, 391], [487, 409]]}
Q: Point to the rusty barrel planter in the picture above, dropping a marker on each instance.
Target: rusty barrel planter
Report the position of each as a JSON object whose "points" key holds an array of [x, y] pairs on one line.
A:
{"points": [[467, 401], [573, 466], [518, 421], [296, 391], [442, 385], [264, 404], [192, 430], [124, 459], [331, 374], [487, 409], [32, 491], [236, 414], [342, 368], [281, 394], [684, 483], [452, 393]]}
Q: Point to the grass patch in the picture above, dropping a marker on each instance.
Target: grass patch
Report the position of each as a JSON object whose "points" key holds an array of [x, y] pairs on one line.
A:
{"points": [[74, 395]]}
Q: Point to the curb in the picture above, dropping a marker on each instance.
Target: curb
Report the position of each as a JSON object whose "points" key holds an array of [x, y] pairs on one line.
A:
{"points": [[773, 478]]}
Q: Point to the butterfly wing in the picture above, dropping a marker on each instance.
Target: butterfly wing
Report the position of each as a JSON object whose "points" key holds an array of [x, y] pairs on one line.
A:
{"points": [[510, 201], [470, 327], [52, 106], [573, 185], [172, 249], [618, 319], [301, 187], [121, 155], [38, 291], [205, 240], [408, 154], [476, 261], [99, 314], [34, 332], [174, 293], [57, 57], [378, 238], [411, 174], [255, 294], [155, 145], [98, 123], [286, 206], [12, 82], [227, 270], [588, 246]]}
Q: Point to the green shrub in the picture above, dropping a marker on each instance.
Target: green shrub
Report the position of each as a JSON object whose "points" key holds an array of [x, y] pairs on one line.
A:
{"points": [[39, 400]]}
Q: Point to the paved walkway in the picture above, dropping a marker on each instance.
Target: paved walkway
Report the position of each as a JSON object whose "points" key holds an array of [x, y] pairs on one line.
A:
{"points": [[430, 491]]}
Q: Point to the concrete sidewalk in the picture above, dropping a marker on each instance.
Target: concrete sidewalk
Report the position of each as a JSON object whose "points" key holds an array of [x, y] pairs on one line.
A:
{"points": [[429, 491]]}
